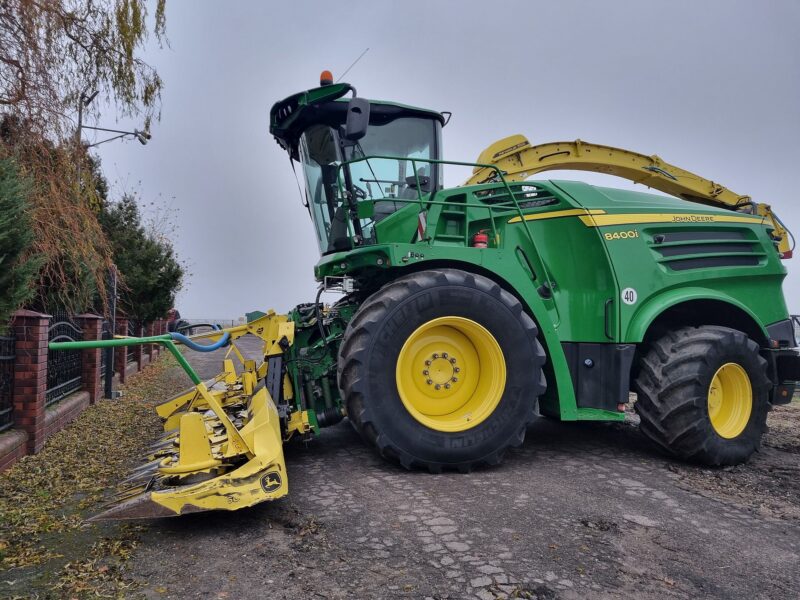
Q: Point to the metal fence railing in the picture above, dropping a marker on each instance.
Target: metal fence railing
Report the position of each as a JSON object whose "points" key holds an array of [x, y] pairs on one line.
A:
{"points": [[6, 382], [134, 330], [63, 368], [107, 334]]}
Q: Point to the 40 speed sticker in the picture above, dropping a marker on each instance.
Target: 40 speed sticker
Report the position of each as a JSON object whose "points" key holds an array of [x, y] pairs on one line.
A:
{"points": [[629, 296]]}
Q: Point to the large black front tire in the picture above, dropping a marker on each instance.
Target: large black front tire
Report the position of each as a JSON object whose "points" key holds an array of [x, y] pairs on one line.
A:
{"points": [[674, 403], [373, 342]]}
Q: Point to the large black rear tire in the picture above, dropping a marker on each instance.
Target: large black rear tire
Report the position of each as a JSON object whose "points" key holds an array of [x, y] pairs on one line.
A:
{"points": [[425, 308], [703, 394]]}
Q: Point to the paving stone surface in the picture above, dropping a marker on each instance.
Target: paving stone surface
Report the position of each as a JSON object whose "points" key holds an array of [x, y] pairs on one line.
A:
{"points": [[580, 511]]}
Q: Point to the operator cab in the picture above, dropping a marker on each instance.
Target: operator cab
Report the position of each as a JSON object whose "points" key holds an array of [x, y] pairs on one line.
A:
{"points": [[384, 160]]}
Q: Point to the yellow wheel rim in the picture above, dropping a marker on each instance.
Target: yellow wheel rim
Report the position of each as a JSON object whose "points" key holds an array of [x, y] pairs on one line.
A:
{"points": [[451, 374], [730, 400]]}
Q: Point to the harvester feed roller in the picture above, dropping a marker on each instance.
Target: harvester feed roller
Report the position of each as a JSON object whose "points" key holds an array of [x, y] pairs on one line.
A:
{"points": [[223, 441]]}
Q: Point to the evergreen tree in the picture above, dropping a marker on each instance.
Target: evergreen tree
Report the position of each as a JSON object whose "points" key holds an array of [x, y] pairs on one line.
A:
{"points": [[17, 267], [150, 273]]}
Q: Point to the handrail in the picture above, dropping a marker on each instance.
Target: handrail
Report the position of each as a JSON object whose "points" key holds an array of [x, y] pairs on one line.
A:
{"points": [[502, 181], [422, 203]]}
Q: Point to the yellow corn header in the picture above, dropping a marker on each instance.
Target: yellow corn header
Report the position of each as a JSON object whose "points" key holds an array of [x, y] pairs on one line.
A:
{"points": [[223, 442]]}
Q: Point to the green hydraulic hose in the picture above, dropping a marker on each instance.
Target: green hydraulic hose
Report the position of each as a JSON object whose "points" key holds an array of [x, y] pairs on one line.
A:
{"points": [[164, 340]]}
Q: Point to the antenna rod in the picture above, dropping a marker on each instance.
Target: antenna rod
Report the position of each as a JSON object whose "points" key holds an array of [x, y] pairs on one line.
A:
{"points": [[352, 65]]}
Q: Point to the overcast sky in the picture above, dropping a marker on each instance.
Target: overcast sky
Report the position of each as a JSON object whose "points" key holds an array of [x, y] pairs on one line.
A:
{"points": [[712, 86]]}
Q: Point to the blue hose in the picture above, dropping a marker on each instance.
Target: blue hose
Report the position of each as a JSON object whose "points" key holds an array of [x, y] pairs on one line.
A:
{"points": [[179, 337]]}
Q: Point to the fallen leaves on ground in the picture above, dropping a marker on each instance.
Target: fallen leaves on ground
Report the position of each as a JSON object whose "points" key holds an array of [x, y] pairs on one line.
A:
{"points": [[45, 543]]}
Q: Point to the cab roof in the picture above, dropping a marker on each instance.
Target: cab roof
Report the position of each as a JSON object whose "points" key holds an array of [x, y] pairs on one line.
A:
{"points": [[326, 105]]}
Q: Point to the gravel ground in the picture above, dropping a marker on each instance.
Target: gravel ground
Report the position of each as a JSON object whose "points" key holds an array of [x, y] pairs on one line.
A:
{"points": [[581, 510]]}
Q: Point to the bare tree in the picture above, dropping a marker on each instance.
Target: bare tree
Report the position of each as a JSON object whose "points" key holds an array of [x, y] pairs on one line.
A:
{"points": [[51, 51]]}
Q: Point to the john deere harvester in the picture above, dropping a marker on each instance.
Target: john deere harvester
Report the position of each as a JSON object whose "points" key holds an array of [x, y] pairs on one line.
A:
{"points": [[468, 312]]}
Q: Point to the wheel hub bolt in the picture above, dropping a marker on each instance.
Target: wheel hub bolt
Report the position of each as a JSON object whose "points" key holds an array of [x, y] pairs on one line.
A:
{"points": [[438, 386], [444, 354], [452, 361], [454, 379], [447, 386], [429, 382], [457, 370], [427, 363], [435, 355], [425, 372]]}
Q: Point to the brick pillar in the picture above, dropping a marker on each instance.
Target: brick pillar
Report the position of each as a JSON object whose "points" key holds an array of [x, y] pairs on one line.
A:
{"points": [[120, 354], [92, 326], [138, 351], [30, 375]]}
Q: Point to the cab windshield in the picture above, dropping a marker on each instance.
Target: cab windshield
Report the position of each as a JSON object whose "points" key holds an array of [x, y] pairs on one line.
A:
{"points": [[390, 182]]}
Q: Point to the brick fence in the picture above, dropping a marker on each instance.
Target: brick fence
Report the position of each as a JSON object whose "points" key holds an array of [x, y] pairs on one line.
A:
{"points": [[33, 417]]}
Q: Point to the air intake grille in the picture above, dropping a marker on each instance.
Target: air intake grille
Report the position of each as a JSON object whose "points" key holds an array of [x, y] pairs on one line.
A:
{"points": [[527, 195], [687, 250]]}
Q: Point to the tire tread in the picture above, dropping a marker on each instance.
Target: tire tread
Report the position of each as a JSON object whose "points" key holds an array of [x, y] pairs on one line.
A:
{"points": [[352, 368], [672, 398]]}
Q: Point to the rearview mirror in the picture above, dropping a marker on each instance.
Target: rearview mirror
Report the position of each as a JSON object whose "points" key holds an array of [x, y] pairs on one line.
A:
{"points": [[357, 121]]}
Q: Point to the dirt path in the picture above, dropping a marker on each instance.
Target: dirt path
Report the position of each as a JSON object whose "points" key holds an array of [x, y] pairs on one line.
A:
{"points": [[582, 510]]}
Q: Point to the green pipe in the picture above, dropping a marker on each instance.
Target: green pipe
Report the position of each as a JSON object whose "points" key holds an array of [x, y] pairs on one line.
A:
{"points": [[115, 343], [164, 340], [183, 362]]}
